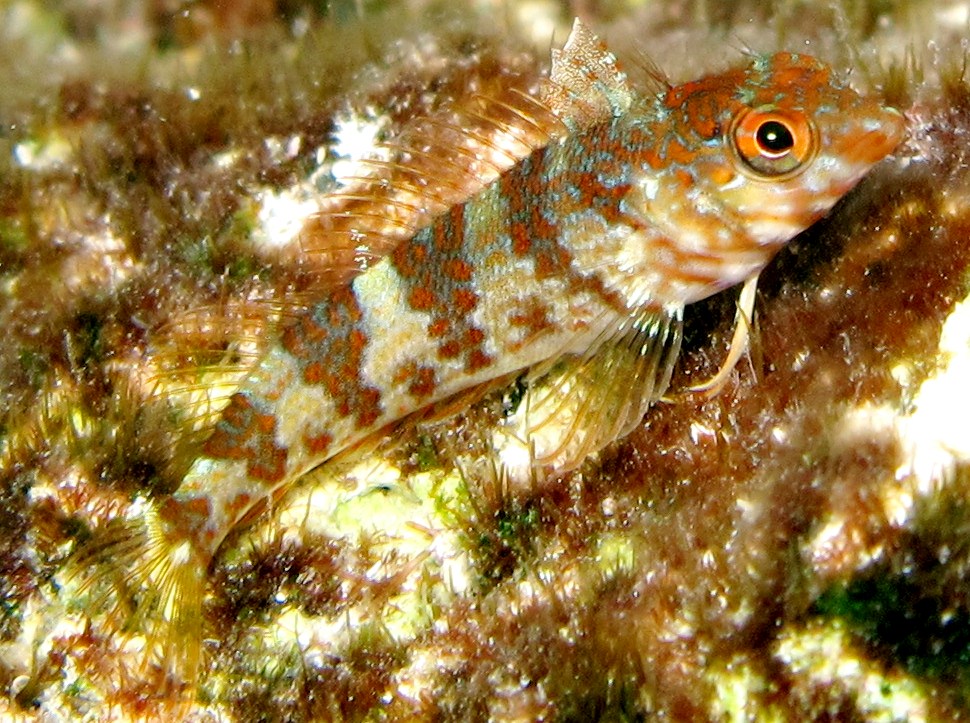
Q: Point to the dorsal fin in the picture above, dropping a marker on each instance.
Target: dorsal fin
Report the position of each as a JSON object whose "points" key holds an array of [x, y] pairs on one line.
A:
{"points": [[199, 357], [443, 160], [585, 84], [435, 163]]}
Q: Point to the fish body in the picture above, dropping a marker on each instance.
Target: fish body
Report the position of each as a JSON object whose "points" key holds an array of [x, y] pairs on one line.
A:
{"points": [[576, 261]]}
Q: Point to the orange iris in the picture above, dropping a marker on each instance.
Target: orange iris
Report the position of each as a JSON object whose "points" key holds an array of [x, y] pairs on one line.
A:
{"points": [[774, 142]]}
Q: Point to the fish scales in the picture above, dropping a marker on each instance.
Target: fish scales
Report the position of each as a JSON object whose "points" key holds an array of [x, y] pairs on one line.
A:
{"points": [[585, 251]]}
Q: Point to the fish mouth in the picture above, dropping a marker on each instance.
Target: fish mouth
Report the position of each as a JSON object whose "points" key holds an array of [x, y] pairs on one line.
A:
{"points": [[869, 140], [878, 136]]}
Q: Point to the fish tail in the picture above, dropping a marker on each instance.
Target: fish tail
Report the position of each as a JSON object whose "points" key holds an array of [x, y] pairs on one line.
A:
{"points": [[144, 579]]}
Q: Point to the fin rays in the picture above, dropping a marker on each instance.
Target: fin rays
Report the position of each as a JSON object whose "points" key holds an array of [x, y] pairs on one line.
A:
{"points": [[585, 402], [586, 84], [200, 357], [447, 158], [435, 163], [144, 583]]}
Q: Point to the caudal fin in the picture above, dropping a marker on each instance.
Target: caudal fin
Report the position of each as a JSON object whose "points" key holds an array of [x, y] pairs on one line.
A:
{"points": [[140, 581]]}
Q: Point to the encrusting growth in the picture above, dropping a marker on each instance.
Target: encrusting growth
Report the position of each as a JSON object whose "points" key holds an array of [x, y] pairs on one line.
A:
{"points": [[558, 237]]}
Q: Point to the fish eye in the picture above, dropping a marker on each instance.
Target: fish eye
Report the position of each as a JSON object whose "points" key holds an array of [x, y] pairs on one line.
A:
{"points": [[772, 142], [774, 138]]}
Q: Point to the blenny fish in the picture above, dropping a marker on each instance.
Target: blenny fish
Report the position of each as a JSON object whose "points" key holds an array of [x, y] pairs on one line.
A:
{"points": [[557, 236]]}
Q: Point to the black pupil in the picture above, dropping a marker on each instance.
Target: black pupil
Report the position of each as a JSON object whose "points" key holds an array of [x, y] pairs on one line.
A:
{"points": [[775, 137]]}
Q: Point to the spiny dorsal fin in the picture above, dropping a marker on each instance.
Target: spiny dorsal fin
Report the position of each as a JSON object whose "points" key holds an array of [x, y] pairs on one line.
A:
{"points": [[585, 84], [435, 163], [584, 402]]}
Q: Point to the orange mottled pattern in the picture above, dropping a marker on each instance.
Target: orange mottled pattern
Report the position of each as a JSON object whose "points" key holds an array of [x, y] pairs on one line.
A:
{"points": [[695, 188]]}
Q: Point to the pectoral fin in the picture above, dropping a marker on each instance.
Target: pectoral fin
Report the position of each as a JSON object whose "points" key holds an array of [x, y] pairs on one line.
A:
{"points": [[583, 402]]}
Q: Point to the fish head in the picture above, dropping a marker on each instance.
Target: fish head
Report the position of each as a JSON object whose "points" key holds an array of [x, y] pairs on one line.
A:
{"points": [[777, 144]]}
